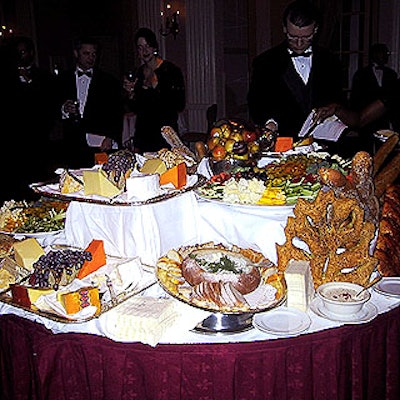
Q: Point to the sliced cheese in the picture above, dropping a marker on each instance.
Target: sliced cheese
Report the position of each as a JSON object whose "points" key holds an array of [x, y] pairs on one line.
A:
{"points": [[73, 302], [153, 166], [300, 287], [96, 248], [27, 251], [96, 182], [176, 175]]}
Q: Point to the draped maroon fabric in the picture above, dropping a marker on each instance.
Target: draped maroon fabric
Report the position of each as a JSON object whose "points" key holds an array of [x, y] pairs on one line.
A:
{"points": [[350, 362]]}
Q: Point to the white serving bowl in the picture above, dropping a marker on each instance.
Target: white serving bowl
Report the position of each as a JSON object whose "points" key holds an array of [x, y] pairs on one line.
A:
{"points": [[340, 297]]}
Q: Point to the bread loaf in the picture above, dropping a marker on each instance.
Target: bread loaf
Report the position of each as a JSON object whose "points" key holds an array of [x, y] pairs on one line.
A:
{"points": [[383, 152], [387, 176], [387, 250]]}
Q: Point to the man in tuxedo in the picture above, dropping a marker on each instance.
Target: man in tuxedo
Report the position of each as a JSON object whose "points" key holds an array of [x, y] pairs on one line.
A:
{"points": [[91, 107], [28, 114], [291, 79], [369, 84]]}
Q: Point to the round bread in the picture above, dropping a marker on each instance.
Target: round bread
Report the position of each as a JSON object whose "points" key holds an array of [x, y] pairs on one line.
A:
{"points": [[217, 265]]}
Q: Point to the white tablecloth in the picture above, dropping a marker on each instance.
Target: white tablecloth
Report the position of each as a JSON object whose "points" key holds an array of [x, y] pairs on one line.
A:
{"points": [[149, 231], [145, 231]]}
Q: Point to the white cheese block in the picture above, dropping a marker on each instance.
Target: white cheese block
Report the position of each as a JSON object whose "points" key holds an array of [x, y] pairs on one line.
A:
{"points": [[96, 182], [300, 286], [27, 251], [143, 187], [143, 319]]}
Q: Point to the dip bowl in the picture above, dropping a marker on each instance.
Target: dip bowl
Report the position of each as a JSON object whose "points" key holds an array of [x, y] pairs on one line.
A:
{"points": [[341, 298]]}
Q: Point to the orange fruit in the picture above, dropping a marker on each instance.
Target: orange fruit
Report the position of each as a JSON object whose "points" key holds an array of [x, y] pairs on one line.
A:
{"points": [[219, 152], [212, 142], [215, 131]]}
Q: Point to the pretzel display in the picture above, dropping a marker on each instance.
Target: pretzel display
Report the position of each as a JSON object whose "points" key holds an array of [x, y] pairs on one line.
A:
{"points": [[336, 237], [358, 185]]}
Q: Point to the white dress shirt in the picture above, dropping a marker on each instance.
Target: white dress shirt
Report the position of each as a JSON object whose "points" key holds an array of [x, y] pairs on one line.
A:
{"points": [[302, 65]]}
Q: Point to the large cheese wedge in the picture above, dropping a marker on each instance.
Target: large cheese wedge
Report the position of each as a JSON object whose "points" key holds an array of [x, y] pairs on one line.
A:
{"points": [[176, 175], [96, 182], [26, 296], [96, 248], [153, 166], [69, 183], [73, 302], [27, 251]]}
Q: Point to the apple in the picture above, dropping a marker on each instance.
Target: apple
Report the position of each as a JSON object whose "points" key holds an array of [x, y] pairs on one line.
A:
{"points": [[249, 136]]}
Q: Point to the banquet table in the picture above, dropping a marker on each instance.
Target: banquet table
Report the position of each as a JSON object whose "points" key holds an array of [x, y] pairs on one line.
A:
{"points": [[43, 359]]}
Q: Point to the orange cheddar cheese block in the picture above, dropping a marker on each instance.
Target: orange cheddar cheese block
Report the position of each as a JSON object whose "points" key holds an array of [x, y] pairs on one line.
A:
{"points": [[100, 158], [283, 143], [96, 248], [175, 175], [73, 302]]}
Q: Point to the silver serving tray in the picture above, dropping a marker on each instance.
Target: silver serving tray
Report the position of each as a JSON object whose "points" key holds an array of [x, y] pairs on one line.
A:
{"points": [[48, 189]]}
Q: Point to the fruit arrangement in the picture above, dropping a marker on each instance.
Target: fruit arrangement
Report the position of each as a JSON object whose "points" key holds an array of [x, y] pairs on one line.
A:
{"points": [[232, 139]]}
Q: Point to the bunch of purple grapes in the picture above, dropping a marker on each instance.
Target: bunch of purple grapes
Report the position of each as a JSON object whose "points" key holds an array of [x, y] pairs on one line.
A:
{"points": [[119, 163], [50, 267]]}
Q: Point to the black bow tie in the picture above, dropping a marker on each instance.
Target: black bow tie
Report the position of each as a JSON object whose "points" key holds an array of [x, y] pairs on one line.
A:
{"points": [[87, 73], [305, 54]]}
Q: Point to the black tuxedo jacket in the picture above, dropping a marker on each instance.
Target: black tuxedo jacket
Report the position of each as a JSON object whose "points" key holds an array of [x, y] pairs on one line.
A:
{"points": [[103, 115], [277, 91]]}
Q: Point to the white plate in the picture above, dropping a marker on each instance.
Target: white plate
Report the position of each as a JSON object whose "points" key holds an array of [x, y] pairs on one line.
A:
{"points": [[282, 321], [389, 286], [367, 313], [277, 207]]}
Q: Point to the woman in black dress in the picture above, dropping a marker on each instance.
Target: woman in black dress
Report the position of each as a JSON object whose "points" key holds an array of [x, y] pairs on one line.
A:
{"points": [[156, 96]]}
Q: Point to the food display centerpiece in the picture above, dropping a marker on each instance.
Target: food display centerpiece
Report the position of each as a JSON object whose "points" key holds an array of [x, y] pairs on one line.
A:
{"points": [[232, 139]]}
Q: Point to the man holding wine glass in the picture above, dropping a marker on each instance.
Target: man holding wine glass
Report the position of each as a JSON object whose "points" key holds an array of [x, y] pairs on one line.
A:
{"points": [[91, 107]]}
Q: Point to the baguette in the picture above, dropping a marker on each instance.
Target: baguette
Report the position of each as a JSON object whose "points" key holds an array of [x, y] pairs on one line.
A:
{"points": [[387, 176], [383, 151]]}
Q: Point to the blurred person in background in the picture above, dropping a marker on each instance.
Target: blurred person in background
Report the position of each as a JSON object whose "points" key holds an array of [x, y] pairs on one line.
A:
{"points": [[29, 114], [91, 107], [289, 80], [369, 84], [156, 95], [388, 103]]}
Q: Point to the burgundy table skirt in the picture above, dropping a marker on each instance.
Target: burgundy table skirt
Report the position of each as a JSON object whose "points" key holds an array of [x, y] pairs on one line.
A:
{"points": [[350, 362]]}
